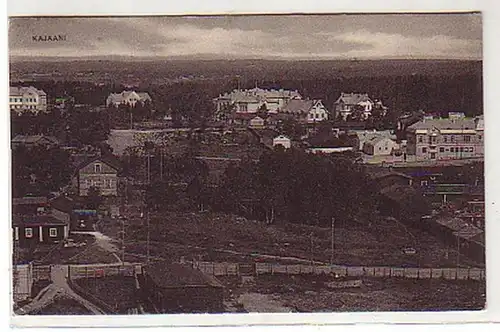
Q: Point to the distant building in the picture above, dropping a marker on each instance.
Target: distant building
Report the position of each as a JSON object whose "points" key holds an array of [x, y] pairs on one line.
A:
{"points": [[102, 172], [348, 103], [30, 141], [379, 146], [305, 111], [328, 150], [30, 205], [283, 141], [127, 98], [257, 123], [253, 100], [432, 139], [27, 100]]}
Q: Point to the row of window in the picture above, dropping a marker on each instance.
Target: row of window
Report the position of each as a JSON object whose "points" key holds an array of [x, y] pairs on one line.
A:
{"points": [[317, 115], [105, 183], [28, 232], [452, 149], [31, 107], [447, 138], [20, 100]]}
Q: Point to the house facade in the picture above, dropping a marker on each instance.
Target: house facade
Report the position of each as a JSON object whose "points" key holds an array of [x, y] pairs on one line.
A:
{"points": [[127, 98], [102, 172], [282, 140], [31, 230], [379, 146], [27, 100], [442, 139]]}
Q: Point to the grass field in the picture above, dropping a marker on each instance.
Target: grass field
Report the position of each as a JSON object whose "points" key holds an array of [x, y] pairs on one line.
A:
{"points": [[222, 237]]}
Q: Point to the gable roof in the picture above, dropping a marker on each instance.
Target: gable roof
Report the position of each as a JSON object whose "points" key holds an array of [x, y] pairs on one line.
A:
{"points": [[353, 98], [120, 97], [20, 90], [177, 275], [108, 159], [62, 203], [443, 124]]}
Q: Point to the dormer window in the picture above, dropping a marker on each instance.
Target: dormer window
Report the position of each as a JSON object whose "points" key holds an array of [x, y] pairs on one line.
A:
{"points": [[97, 168]]}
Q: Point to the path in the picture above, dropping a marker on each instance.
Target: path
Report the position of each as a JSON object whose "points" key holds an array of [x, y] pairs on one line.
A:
{"points": [[105, 242], [58, 287], [256, 302]]}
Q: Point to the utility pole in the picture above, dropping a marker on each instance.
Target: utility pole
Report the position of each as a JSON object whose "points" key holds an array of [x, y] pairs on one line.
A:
{"points": [[333, 241], [123, 241], [161, 163], [147, 206]]}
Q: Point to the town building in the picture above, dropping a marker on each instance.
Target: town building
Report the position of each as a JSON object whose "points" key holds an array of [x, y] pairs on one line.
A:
{"points": [[31, 230], [305, 111], [102, 172], [349, 103], [30, 205], [253, 100], [442, 139], [380, 146], [257, 123], [283, 141], [127, 98], [30, 141], [27, 100]]}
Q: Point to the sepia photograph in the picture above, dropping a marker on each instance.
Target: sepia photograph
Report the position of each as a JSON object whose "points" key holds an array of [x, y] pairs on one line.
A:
{"points": [[294, 163]]}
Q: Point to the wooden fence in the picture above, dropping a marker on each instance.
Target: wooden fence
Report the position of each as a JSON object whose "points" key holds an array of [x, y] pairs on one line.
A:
{"points": [[99, 271], [235, 269]]}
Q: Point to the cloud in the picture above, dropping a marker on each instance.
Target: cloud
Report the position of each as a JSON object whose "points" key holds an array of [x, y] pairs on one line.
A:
{"points": [[397, 45]]}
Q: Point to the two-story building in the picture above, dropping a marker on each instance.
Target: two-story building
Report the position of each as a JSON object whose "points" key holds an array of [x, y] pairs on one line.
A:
{"points": [[27, 100], [348, 103], [102, 172], [253, 100], [127, 98], [441, 139], [305, 111]]}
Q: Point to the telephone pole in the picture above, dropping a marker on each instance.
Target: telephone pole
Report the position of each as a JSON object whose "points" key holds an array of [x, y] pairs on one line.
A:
{"points": [[333, 241]]}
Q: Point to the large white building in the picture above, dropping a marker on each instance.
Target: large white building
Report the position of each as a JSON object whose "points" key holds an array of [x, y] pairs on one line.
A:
{"points": [[27, 99], [127, 98]]}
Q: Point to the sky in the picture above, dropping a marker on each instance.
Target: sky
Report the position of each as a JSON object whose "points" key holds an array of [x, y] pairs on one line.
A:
{"points": [[412, 36]]}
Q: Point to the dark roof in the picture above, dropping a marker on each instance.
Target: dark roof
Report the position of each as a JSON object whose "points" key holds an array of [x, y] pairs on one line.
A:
{"points": [[33, 139], [108, 159], [36, 220], [379, 173], [29, 200], [177, 275], [62, 203], [298, 106], [398, 193], [353, 98]]}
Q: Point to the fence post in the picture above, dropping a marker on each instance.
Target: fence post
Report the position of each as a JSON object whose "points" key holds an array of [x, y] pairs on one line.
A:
{"points": [[418, 274]]}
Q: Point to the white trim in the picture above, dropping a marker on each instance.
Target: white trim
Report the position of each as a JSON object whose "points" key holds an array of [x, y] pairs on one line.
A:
{"points": [[40, 233], [28, 232], [53, 232], [16, 233]]}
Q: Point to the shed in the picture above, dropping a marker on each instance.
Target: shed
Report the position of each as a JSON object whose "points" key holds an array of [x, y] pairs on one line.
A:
{"points": [[379, 146], [178, 288]]}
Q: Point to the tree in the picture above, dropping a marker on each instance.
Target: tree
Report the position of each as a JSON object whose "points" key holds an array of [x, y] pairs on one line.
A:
{"points": [[88, 128]]}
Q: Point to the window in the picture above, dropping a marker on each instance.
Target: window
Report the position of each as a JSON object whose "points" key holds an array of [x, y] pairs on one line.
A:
{"points": [[97, 168], [452, 138], [471, 149], [480, 137], [420, 139], [52, 232], [424, 150], [452, 149], [441, 149], [445, 138], [423, 183], [28, 233], [461, 149], [467, 138]]}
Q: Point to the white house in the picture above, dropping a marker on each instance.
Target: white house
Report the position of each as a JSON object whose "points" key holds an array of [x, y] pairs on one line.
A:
{"points": [[27, 99], [347, 103], [283, 141], [328, 150], [379, 146], [128, 98], [257, 122]]}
